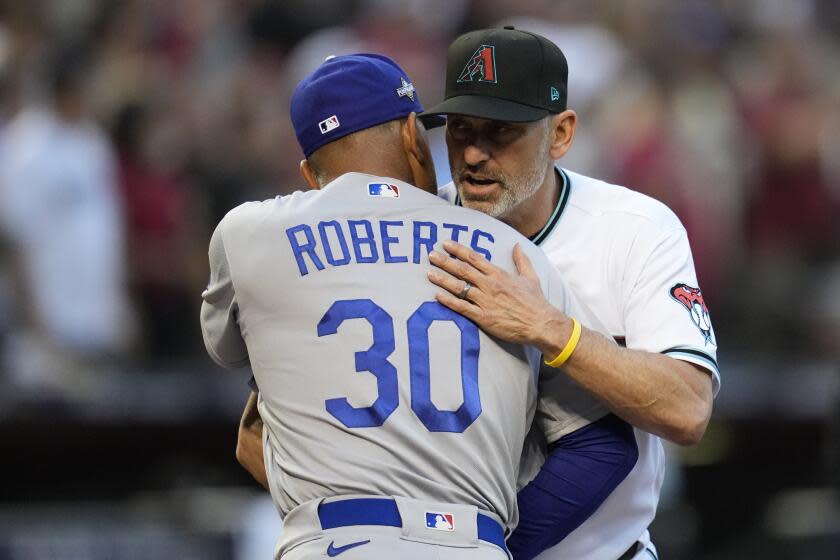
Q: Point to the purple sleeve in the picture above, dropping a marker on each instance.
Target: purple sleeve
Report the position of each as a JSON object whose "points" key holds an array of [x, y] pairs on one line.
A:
{"points": [[581, 470]]}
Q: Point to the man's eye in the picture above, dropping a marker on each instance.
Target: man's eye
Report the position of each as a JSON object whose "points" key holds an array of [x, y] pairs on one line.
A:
{"points": [[458, 130]]}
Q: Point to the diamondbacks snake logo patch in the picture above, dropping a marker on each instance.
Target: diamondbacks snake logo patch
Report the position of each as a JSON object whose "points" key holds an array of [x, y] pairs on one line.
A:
{"points": [[692, 300]]}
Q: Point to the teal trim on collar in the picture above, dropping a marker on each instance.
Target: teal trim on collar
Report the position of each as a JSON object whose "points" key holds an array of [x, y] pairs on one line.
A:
{"points": [[558, 210]]}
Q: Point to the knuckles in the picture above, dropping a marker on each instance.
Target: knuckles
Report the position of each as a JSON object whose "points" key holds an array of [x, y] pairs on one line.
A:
{"points": [[461, 268], [474, 257], [493, 286]]}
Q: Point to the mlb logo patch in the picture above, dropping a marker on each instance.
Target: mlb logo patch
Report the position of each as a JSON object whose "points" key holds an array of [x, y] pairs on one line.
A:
{"points": [[440, 521], [329, 124], [383, 189]]}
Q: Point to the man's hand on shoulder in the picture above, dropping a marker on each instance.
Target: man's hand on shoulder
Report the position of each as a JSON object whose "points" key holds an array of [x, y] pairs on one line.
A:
{"points": [[508, 306], [654, 392]]}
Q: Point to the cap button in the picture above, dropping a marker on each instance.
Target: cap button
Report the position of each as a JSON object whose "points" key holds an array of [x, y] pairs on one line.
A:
{"points": [[508, 27]]}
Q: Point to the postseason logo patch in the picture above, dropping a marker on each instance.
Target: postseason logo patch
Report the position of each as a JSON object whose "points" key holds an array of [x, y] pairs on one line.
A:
{"points": [[440, 521], [406, 89], [386, 190], [329, 124]]}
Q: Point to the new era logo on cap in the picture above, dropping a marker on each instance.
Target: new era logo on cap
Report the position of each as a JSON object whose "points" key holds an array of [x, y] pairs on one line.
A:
{"points": [[440, 521], [383, 189], [329, 124]]}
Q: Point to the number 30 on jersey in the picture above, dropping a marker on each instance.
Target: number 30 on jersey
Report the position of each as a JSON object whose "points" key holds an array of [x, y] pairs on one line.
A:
{"points": [[375, 361]]}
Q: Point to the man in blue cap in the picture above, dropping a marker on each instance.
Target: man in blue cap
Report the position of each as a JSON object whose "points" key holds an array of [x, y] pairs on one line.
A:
{"points": [[393, 427]]}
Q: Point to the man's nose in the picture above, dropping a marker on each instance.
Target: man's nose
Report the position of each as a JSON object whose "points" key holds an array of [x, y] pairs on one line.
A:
{"points": [[475, 154]]}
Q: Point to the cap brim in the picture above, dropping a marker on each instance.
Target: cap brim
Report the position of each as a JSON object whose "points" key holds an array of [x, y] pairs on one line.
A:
{"points": [[431, 121], [484, 108]]}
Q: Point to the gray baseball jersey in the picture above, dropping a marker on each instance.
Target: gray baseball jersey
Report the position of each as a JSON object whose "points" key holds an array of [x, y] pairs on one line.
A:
{"points": [[368, 386]]}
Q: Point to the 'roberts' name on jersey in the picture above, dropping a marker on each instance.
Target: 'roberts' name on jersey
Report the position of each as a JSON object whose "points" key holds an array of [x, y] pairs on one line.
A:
{"points": [[388, 241]]}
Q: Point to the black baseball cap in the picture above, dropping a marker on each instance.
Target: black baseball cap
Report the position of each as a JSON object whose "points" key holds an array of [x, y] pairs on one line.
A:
{"points": [[503, 74]]}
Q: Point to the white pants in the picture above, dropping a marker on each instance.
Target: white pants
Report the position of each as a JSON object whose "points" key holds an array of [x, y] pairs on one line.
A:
{"points": [[648, 551]]}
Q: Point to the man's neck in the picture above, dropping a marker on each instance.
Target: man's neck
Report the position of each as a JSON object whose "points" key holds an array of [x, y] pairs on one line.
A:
{"points": [[377, 169], [530, 217]]}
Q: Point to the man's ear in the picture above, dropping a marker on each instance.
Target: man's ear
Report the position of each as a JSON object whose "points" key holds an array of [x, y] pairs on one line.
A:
{"points": [[309, 175], [563, 127], [416, 149]]}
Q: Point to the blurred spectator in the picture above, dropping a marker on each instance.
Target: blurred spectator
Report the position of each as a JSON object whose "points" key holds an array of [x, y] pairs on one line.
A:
{"points": [[792, 204], [792, 207], [165, 253], [60, 210]]}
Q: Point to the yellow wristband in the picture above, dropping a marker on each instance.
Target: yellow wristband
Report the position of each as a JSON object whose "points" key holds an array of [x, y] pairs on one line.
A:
{"points": [[563, 357]]}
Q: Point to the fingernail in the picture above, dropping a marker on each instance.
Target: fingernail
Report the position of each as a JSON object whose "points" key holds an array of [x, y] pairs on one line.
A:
{"points": [[435, 256], [432, 275], [448, 244]]}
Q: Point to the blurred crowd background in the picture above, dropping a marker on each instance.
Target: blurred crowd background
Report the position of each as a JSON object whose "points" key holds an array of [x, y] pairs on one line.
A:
{"points": [[128, 128]]}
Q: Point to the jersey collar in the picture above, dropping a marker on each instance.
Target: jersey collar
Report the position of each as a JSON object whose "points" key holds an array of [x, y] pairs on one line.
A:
{"points": [[565, 191]]}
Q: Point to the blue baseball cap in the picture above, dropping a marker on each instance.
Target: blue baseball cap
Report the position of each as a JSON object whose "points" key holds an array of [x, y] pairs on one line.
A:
{"points": [[347, 94]]}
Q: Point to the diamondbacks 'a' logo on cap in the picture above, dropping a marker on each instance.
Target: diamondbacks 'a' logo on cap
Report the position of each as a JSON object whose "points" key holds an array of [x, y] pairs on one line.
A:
{"points": [[481, 66], [692, 299]]}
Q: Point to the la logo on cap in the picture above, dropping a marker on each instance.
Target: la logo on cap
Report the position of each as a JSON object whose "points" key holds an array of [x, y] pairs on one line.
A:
{"points": [[481, 64]]}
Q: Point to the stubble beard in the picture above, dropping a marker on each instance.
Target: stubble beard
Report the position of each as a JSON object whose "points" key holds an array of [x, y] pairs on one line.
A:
{"points": [[511, 191]]}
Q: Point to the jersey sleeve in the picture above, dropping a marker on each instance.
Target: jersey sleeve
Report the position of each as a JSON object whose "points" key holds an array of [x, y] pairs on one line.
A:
{"points": [[664, 308], [219, 310], [563, 406]]}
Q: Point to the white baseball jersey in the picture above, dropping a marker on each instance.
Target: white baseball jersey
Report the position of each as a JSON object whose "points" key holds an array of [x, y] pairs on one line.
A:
{"points": [[626, 257], [367, 384]]}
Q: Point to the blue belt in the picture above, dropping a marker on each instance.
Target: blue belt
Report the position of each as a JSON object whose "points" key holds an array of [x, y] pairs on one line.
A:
{"points": [[384, 512]]}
